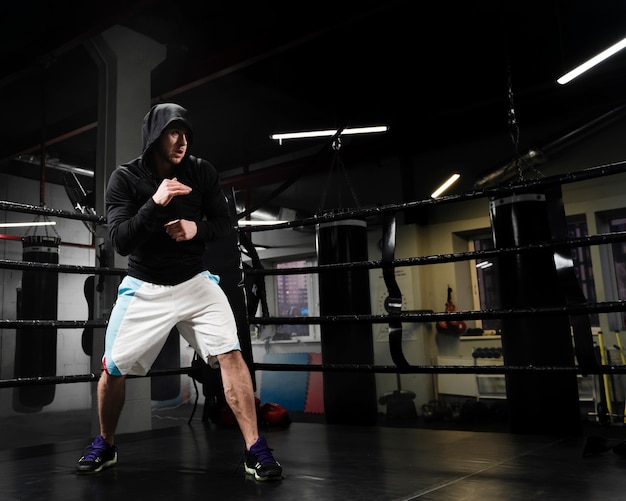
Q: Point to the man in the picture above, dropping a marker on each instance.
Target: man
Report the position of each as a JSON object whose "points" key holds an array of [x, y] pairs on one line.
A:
{"points": [[161, 209]]}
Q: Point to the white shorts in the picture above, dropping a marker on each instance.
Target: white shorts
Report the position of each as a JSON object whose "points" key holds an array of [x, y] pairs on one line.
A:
{"points": [[145, 313]]}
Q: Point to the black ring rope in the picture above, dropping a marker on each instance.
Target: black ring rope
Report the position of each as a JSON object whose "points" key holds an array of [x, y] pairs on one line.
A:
{"points": [[59, 324], [407, 317], [45, 211], [585, 174], [83, 378], [608, 307], [351, 368], [600, 239], [61, 268], [582, 175], [600, 307], [443, 369]]}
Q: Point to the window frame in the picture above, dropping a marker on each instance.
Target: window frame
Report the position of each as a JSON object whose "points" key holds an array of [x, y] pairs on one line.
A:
{"points": [[486, 233], [312, 288]]}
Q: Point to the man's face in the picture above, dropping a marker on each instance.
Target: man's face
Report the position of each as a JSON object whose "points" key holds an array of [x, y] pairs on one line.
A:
{"points": [[173, 143]]}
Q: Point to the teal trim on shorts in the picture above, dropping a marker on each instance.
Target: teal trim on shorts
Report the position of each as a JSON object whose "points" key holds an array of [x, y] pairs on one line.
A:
{"points": [[215, 278], [125, 293]]}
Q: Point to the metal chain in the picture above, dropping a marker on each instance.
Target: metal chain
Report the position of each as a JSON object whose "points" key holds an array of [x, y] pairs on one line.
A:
{"points": [[514, 134], [513, 125]]}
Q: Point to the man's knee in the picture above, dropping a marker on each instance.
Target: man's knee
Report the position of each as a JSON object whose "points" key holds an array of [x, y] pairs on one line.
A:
{"points": [[230, 357], [111, 380], [233, 366]]}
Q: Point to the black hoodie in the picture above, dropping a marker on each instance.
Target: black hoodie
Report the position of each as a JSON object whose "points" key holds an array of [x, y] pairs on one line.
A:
{"points": [[136, 222]]}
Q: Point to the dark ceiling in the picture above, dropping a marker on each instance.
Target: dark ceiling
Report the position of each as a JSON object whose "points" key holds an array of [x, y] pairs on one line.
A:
{"points": [[443, 76]]}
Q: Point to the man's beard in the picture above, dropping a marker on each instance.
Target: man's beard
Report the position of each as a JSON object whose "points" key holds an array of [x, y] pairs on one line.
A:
{"points": [[169, 158]]}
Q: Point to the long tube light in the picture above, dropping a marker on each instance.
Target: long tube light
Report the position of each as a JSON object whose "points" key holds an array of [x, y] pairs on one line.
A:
{"points": [[590, 63], [30, 223], [449, 182], [257, 222], [329, 132]]}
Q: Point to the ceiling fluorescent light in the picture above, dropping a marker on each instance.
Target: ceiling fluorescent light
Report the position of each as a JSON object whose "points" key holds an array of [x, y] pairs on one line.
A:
{"points": [[329, 133], [484, 265], [31, 223], [245, 222], [587, 65], [451, 180], [263, 217]]}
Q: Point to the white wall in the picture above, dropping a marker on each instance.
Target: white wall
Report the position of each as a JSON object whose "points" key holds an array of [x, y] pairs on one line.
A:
{"points": [[72, 305]]}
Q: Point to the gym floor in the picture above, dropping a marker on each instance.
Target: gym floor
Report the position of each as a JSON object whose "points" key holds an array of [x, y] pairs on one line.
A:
{"points": [[187, 459]]}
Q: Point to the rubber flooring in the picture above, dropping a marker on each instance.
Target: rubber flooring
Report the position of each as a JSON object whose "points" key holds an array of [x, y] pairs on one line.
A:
{"points": [[197, 460]]}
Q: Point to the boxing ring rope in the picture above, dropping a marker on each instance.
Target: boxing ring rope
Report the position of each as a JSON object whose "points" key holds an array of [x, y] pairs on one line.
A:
{"points": [[61, 268], [45, 211], [604, 238], [396, 318], [600, 307], [337, 368], [560, 179]]}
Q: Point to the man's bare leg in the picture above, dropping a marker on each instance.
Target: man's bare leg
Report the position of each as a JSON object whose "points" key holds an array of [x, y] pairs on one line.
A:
{"points": [[111, 396], [239, 394]]}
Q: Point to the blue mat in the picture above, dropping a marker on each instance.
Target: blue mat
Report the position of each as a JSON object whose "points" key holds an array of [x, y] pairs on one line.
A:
{"points": [[285, 388]]}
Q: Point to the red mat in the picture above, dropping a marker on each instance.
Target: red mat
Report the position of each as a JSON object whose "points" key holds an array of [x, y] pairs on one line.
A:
{"points": [[315, 390]]}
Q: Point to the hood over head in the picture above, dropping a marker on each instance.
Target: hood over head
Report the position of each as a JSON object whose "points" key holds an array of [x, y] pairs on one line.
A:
{"points": [[158, 118]]}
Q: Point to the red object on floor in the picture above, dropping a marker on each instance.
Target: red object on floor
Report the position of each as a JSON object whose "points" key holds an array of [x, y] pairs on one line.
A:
{"points": [[274, 414], [315, 390]]}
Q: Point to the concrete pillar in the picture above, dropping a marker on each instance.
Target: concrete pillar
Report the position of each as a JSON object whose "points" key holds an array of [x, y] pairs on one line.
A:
{"points": [[125, 60]]}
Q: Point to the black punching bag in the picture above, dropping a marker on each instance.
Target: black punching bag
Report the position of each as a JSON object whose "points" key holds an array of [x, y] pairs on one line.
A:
{"points": [[36, 348], [349, 398], [539, 402]]}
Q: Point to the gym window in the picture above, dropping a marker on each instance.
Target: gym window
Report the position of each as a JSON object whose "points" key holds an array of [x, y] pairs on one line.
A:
{"points": [[614, 259], [296, 296], [485, 272]]}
